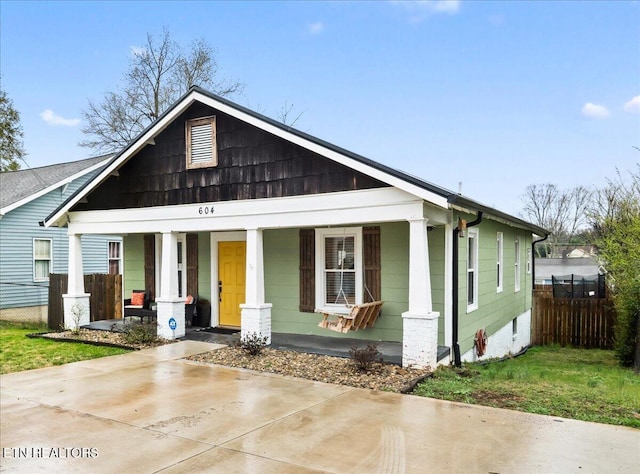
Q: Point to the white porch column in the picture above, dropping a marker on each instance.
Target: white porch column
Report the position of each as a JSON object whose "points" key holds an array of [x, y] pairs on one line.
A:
{"points": [[420, 323], [76, 301], [171, 323], [255, 314]]}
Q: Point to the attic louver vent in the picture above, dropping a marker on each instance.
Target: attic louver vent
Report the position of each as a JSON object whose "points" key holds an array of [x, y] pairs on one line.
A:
{"points": [[201, 143]]}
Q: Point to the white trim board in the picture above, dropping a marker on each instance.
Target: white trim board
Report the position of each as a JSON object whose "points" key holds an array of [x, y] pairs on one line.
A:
{"points": [[350, 207]]}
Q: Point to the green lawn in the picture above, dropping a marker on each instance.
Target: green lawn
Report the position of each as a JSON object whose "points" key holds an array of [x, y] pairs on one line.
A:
{"points": [[585, 384], [18, 352]]}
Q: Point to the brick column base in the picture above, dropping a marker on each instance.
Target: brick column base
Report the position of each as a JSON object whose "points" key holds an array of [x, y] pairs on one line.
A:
{"points": [[171, 312], [256, 319], [420, 340], [77, 311]]}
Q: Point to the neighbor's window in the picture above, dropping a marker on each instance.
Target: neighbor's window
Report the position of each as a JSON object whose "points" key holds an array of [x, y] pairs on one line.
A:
{"points": [[517, 264], [41, 259], [115, 257], [472, 270], [202, 151], [499, 255], [338, 267]]}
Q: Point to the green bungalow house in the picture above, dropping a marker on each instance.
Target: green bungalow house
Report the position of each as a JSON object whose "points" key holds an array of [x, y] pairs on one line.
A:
{"points": [[274, 226]]}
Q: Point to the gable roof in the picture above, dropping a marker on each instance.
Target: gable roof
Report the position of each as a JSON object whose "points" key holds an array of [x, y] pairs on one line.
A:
{"points": [[429, 192], [20, 187]]}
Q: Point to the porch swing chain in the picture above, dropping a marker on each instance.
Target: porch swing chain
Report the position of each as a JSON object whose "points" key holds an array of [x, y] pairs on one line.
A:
{"points": [[364, 276]]}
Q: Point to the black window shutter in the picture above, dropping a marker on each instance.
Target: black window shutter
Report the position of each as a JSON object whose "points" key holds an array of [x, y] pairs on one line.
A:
{"points": [[192, 264], [150, 264], [307, 270], [372, 273]]}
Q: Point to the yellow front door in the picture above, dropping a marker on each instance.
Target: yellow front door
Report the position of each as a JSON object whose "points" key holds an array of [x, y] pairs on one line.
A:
{"points": [[231, 273]]}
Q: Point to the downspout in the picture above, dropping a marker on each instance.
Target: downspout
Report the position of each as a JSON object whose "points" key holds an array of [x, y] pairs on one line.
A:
{"points": [[533, 259], [454, 323]]}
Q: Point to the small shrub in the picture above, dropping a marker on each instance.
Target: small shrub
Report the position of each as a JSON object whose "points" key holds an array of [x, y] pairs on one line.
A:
{"points": [[139, 333], [365, 358], [253, 343], [77, 311]]}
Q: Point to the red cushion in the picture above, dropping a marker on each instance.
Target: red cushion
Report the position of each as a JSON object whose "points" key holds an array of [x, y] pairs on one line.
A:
{"points": [[137, 299]]}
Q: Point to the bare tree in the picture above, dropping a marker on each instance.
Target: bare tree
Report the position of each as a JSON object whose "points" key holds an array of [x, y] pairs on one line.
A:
{"points": [[158, 74], [286, 116], [562, 212]]}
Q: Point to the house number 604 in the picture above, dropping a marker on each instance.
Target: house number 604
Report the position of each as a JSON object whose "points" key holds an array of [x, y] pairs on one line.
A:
{"points": [[205, 210]]}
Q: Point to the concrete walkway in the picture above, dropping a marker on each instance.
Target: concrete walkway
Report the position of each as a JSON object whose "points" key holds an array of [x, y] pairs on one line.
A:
{"points": [[151, 411]]}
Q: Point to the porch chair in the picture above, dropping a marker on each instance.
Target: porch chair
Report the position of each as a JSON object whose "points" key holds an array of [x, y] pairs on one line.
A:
{"points": [[190, 309], [139, 306]]}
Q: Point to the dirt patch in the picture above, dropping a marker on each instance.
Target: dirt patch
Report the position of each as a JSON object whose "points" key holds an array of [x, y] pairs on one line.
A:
{"points": [[497, 399], [321, 368]]}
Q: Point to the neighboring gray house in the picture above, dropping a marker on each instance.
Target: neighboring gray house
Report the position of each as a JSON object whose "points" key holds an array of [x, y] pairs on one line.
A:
{"points": [[583, 266], [29, 252]]}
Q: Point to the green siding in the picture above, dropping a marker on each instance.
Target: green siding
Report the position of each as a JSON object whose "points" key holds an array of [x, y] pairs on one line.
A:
{"points": [[133, 274], [495, 310], [282, 284]]}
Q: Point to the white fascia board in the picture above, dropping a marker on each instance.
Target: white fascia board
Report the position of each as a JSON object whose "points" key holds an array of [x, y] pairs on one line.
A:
{"points": [[321, 150], [48, 189], [350, 207]]}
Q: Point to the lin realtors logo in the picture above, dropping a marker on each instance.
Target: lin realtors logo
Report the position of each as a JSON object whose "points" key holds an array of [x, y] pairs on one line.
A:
{"points": [[49, 453]]}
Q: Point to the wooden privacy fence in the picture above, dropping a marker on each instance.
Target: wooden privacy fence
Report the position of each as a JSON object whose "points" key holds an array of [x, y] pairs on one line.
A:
{"points": [[579, 322], [105, 300]]}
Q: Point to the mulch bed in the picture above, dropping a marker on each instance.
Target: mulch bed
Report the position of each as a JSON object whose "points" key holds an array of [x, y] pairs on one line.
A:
{"points": [[321, 368], [99, 338], [328, 369]]}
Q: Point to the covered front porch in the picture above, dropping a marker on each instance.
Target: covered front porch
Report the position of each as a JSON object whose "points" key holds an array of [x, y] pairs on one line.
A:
{"points": [[271, 297]]}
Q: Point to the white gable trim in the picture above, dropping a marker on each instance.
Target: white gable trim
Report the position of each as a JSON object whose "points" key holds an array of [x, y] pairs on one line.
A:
{"points": [[193, 96], [48, 189], [324, 151]]}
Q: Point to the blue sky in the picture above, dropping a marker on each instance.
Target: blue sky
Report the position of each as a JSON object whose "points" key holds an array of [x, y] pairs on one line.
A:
{"points": [[496, 95]]}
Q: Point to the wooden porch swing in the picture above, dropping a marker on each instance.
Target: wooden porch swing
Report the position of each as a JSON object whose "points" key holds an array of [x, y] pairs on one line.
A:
{"points": [[360, 316]]}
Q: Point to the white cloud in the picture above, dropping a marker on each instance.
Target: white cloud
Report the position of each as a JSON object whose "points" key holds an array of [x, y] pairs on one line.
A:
{"points": [[52, 118], [595, 111], [633, 106], [137, 50], [316, 28], [421, 9]]}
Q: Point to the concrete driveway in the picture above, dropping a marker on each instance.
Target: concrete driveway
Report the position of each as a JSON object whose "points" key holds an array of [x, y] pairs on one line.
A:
{"points": [[151, 411]]}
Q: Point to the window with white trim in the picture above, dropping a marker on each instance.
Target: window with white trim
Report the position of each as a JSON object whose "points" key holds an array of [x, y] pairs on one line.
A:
{"points": [[42, 250], [202, 150], [517, 263], [529, 261], [472, 270], [338, 268], [115, 257], [499, 258]]}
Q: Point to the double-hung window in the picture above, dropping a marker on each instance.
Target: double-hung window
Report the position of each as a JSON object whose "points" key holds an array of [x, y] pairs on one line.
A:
{"points": [[115, 257], [499, 263], [472, 270], [517, 263], [338, 268], [42, 249]]}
